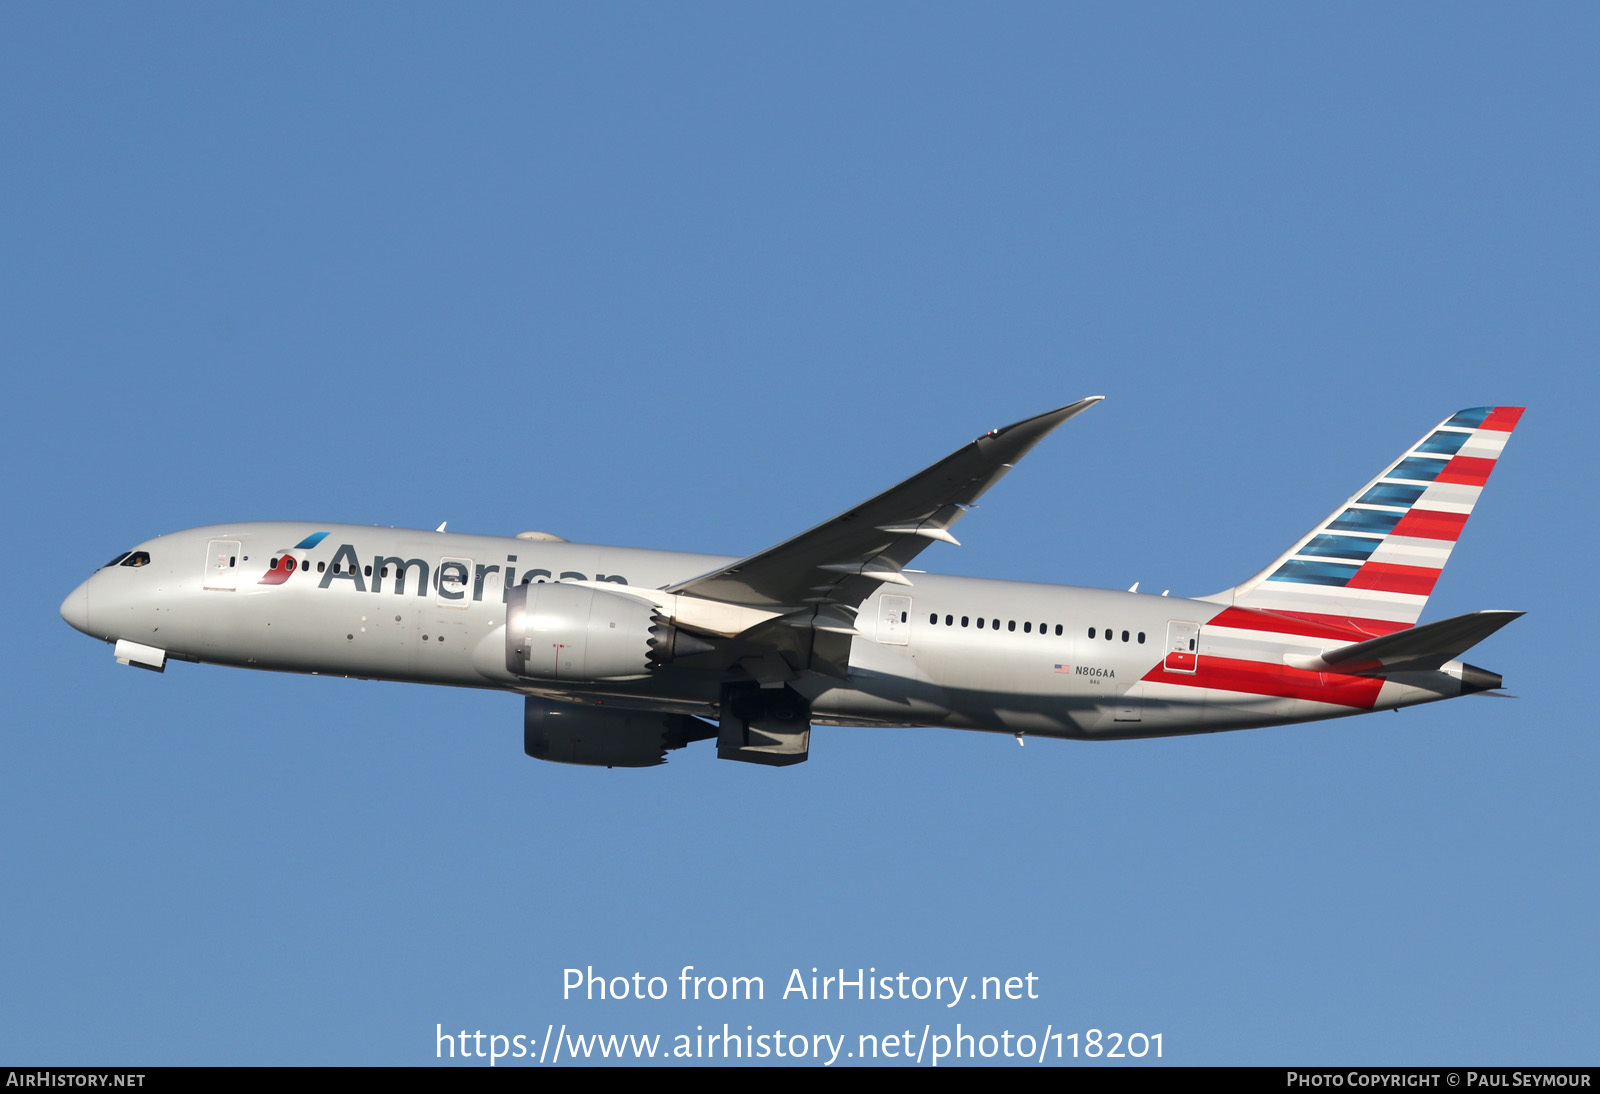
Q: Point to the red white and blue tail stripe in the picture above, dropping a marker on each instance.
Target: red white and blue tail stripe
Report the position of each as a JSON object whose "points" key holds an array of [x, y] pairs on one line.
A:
{"points": [[1370, 566]]}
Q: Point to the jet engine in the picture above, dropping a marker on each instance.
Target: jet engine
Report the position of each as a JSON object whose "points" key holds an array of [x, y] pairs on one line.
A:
{"points": [[556, 631], [570, 734]]}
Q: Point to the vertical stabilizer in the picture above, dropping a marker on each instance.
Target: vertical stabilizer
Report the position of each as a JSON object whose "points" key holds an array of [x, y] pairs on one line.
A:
{"points": [[1373, 562]]}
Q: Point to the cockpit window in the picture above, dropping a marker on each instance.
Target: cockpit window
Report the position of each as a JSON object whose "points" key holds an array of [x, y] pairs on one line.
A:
{"points": [[116, 560], [136, 558]]}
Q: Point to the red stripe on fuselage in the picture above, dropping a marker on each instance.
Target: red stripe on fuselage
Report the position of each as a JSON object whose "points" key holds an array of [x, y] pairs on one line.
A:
{"points": [[1305, 624], [1503, 418], [1390, 577], [1282, 681], [1430, 524]]}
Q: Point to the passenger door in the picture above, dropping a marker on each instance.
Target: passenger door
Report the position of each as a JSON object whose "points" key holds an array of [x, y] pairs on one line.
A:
{"points": [[222, 564], [1183, 646]]}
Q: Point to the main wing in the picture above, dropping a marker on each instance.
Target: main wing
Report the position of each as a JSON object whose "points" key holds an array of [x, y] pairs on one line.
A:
{"points": [[818, 579]]}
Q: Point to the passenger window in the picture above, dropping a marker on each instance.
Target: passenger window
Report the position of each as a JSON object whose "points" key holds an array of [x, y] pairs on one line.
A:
{"points": [[1058, 630], [980, 622], [933, 618], [320, 566], [1027, 627], [1141, 638], [963, 621], [1011, 624], [949, 621], [1091, 632], [1124, 636]]}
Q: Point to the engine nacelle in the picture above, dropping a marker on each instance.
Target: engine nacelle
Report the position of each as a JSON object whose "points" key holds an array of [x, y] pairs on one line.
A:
{"points": [[556, 631], [605, 736]]}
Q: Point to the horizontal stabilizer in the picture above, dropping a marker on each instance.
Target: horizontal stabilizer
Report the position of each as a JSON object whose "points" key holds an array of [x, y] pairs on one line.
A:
{"points": [[1416, 648]]}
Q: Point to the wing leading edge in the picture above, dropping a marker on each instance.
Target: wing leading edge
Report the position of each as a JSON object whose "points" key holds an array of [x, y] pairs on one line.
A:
{"points": [[825, 573]]}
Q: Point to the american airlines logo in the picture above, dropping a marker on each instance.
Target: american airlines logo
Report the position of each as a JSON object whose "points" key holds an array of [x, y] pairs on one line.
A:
{"points": [[283, 566], [452, 579]]}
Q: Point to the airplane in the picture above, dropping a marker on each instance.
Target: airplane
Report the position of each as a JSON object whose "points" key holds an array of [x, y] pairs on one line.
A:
{"points": [[622, 655]]}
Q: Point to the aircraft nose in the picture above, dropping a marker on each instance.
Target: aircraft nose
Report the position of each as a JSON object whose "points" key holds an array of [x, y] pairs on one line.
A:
{"points": [[75, 608]]}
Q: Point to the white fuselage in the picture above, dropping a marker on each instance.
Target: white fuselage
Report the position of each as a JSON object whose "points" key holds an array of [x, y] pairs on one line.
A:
{"points": [[967, 653]]}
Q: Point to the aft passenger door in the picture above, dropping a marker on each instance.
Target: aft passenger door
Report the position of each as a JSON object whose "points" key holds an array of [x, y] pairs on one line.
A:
{"points": [[1183, 646]]}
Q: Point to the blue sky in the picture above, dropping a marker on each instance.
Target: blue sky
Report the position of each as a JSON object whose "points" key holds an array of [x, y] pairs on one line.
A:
{"points": [[697, 277]]}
